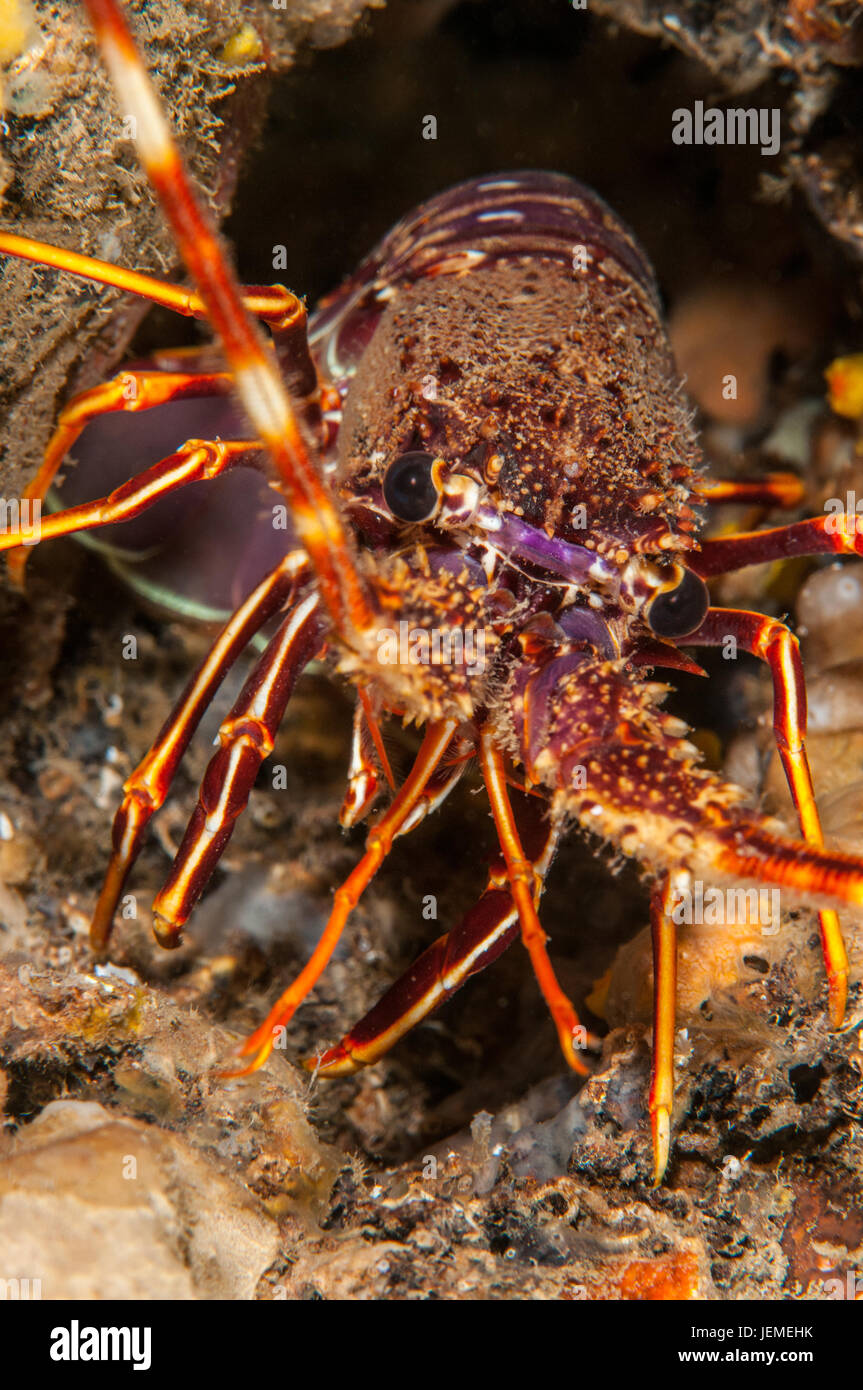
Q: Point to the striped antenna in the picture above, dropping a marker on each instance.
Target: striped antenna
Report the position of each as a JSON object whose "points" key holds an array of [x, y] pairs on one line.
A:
{"points": [[257, 379]]}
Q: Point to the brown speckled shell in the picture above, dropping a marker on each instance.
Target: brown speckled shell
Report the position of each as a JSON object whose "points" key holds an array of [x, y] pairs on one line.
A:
{"points": [[563, 377]]}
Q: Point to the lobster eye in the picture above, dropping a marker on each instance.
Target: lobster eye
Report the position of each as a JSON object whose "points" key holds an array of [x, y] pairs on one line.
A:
{"points": [[410, 490], [679, 611]]}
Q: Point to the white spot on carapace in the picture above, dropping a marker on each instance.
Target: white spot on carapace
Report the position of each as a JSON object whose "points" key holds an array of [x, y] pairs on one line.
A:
{"points": [[492, 184], [510, 215]]}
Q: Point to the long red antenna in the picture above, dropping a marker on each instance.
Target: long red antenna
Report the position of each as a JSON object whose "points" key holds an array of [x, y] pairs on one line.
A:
{"points": [[259, 385]]}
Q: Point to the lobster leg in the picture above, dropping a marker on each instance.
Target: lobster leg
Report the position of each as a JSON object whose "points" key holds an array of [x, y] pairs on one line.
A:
{"points": [[776, 645], [441, 782], [199, 460], [129, 391], [482, 935], [773, 490], [821, 535], [664, 936], [364, 779], [373, 727], [368, 758], [521, 876], [146, 789], [319, 524], [260, 1044], [246, 738], [282, 311]]}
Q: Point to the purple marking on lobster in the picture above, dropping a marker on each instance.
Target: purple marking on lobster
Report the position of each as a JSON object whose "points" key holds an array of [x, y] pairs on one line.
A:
{"points": [[584, 625], [532, 693], [573, 562]]}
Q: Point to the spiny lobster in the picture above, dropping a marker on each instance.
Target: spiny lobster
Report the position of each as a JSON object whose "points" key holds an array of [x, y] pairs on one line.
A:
{"points": [[483, 433]]}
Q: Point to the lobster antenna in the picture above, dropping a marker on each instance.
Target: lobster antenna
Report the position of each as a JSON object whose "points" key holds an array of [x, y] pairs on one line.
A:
{"points": [[256, 377]]}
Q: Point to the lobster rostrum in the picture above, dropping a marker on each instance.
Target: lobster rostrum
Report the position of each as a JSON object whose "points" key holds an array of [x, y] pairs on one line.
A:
{"points": [[485, 448]]}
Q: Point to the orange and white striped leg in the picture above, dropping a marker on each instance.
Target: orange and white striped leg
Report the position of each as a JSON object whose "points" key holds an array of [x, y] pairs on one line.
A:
{"points": [[365, 782], [482, 935], [364, 779], [820, 535], [437, 739], [664, 936], [146, 789], [275, 305], [283, 313], [199, 460], [246, 738], [664, 1004], [130, 391], [442, 781], [258, 383], [521, 877], [374, 729], [777, 646]]}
